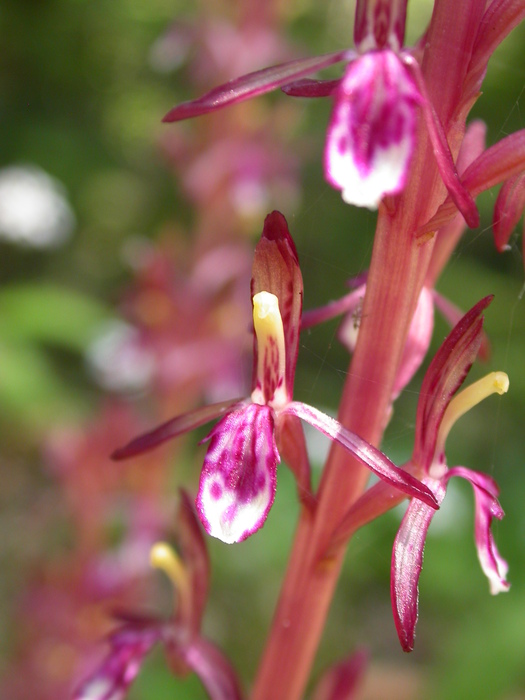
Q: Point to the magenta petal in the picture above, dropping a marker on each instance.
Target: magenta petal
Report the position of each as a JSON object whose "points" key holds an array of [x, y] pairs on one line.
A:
{"points": [[497, 164], [112, 679], [172, 428], [486, 492], [253, 84], [238, 478], [371, 134], [452, 315], [311, 88], [444, 376], [407, 560], [459, 193], [213, 669], [366, 453]]}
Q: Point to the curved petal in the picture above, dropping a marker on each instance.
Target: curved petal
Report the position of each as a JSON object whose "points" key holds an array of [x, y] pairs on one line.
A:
{"points": [[486, 493], [452, 315], [458, 192], [444, 376], [366, 453], [508, 209], [407, 561], [254, 84], [498, 163], [173, 428], [371, 134], [111, 680], [238, 478]]}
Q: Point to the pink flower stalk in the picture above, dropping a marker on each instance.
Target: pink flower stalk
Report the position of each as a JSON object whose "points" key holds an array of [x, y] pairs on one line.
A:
{"points": [[371, 136], [438, 409], [185, 647], [238, 478]]}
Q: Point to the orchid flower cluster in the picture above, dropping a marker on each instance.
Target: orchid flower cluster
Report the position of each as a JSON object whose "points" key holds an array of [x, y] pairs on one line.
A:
{"points": [[397, 140]]}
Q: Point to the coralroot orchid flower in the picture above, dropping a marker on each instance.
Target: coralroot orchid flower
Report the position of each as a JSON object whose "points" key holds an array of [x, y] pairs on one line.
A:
{"points": [[238, 478], [438, 409], [372, 131], [185, 647]]}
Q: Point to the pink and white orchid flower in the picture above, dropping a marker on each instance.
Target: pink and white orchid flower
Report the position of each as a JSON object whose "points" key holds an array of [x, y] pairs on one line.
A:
{"points": [[238, 478], [372, 131]]}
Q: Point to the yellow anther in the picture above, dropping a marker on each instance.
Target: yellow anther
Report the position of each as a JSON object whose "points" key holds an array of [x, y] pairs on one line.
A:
{"points": [[163, 557], [493, 383]]}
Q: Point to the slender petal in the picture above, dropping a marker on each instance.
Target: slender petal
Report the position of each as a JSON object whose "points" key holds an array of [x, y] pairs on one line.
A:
{"points": [[452, 315], [195, 556], [370, 456], [407, 560], [311, 88], [172, 428], [254, 84], [213, 669], [238, 478], [276, 270], [371, 134], [458, 192], [500, 18], [348, 304], [495, 165], [486, 493], [508, 209], [443, 377]]}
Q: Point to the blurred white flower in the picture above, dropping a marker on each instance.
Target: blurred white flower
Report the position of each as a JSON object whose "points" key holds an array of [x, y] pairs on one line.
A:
{"points": [[117, 359], [34, 210]]}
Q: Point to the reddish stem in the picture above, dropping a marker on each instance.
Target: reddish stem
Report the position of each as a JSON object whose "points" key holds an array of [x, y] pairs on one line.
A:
{"points": [[397, 271]]}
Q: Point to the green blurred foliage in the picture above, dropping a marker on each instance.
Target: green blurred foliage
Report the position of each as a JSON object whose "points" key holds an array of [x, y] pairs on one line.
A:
{"points": [[79, 99]]}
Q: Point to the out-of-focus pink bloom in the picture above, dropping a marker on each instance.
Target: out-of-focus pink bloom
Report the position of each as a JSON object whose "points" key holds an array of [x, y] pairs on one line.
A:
{"points": [[185, 647], [238, 479], [438, 409], [249, 169], [190, 326]]}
